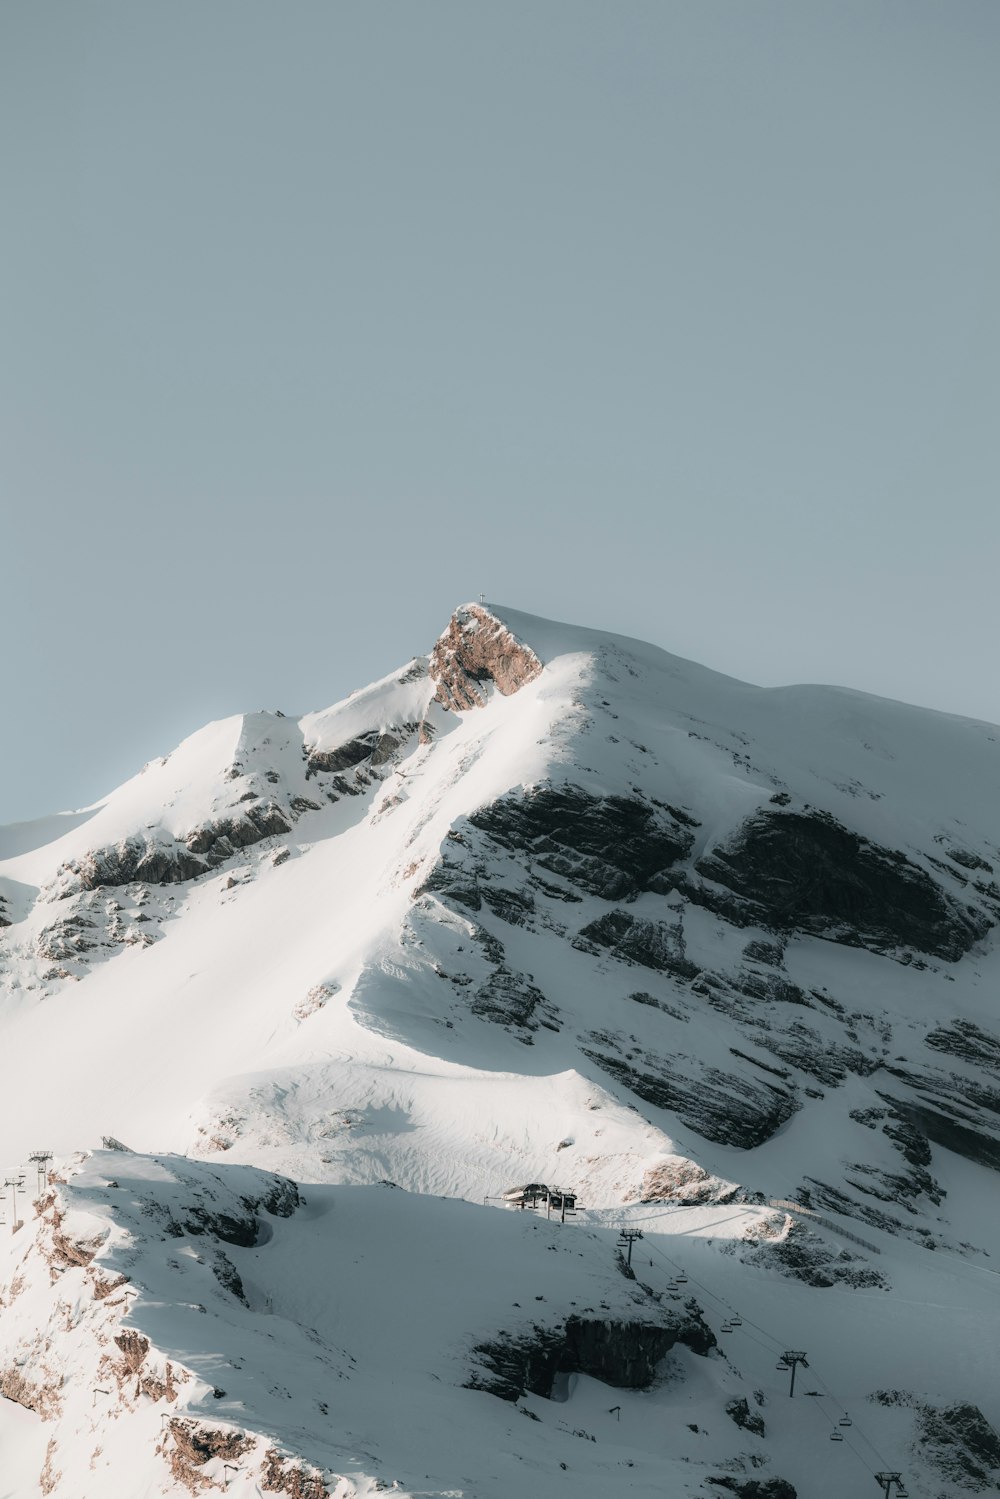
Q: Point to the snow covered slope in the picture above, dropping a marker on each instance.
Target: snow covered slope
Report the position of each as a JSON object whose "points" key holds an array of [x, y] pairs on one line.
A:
{"points": [[547, 905]]}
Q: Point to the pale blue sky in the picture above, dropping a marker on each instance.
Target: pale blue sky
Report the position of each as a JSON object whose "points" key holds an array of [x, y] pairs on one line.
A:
{"points": [[316, 318]]}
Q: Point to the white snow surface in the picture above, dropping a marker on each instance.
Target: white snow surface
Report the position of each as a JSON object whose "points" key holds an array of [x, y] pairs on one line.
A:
{"points": [[304, 1007]]}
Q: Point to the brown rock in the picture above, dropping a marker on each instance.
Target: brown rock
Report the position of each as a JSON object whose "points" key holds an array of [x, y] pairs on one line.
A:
{"points": [[476, 648], [280, 1476]]}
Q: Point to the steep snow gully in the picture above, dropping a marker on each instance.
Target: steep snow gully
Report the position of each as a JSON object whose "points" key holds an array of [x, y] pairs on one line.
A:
{"points": [[526, 1068]]}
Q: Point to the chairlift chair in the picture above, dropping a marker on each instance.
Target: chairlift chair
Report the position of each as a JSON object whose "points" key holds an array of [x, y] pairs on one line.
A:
{"points": [[836, 1436], [845, 1420]]}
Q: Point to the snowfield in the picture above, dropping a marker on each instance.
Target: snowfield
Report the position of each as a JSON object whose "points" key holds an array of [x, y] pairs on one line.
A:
{"points": [[295, 1006]]}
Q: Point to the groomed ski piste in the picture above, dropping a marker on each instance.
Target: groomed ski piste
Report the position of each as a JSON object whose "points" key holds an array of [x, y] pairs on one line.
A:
{"points": [[546, 906]]}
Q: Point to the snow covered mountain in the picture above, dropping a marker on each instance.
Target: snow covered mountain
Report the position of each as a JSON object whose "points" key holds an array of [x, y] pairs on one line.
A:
{"points": [[547, 906]]}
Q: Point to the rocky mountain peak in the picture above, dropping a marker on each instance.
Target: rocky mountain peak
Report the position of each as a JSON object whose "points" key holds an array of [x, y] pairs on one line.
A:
{"points": [[708, 969], [477, 647]]}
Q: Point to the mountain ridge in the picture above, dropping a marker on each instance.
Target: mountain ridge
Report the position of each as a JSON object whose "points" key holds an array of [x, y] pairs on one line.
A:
{"points": [[544, 905]]}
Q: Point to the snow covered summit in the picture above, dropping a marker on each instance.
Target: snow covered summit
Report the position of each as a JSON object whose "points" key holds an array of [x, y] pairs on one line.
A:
{"points": [[546, 905]]}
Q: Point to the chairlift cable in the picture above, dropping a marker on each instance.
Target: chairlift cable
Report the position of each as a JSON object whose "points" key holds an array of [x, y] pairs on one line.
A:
{"points": [[770, 1339]]}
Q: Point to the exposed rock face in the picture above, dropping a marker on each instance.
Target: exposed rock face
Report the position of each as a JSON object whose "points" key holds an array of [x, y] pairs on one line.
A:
{"points": [[199, 1444], [960, 1442], [965, 1039], [787, 871], [724, 1107], [612, 846], [199, 1214], [796, 1251], [476, 648], [952, 1110], [654, 944], [374, 748], [93, 924], [42, 1399], [748, 1420], [454, 881], [757, 1488], [803, 1047], [281, 1475], [622, 1354], [219, 839], [681, 1180], [157, 860], [509, 999], [504, 995], [805, 871]]}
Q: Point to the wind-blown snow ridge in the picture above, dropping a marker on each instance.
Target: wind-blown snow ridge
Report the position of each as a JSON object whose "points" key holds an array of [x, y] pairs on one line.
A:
{"points": [[545, 905]]}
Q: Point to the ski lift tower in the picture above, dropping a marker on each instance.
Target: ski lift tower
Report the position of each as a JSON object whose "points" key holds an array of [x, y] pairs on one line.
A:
{"points": [[13, 1182], [791, 1360], [40, 1159]]}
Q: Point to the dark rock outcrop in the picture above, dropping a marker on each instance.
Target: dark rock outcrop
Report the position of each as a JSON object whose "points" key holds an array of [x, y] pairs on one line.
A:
{"points": [[804, 871], [516, 907], [721, 1106], [942, 1127], [802, 1046], [375, 748], [200, 1214], [965, 1039], [509, 998], [953, 1109], [653, 944], [746, 1419], [621, 1354], [157, 860], [961, 1444], [228, 1276], [612, 846], [453, 881], [757, 1488], [219, 839], [801, 1254], [503, 995]]}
